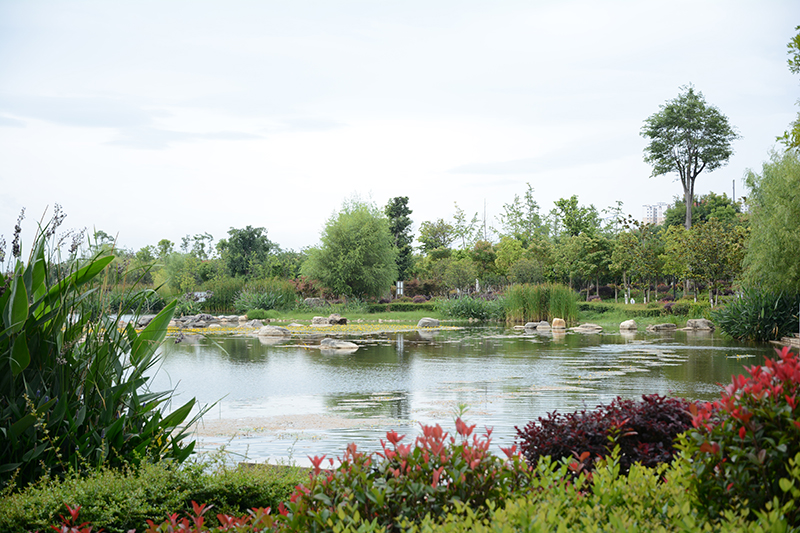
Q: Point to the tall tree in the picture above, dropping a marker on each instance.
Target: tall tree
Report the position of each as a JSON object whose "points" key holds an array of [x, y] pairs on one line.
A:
{"points": [[521, 219], [687, 136], [400, 227], [771, 258], [244, 250], [435, 235], [357, 256], [791, 138], [468, 230], [577, 219]]}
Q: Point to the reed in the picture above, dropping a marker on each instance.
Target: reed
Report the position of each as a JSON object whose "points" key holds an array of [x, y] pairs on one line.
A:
{"points": [[534, 303]]}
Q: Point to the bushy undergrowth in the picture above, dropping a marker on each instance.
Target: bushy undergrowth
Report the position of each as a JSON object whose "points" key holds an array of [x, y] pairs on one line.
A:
{"points": [[141, 301], [266, 295], [119, 501], [534, 303], [643, 430], [758, 315], [746, 445], [471, 307], [222, 293]]}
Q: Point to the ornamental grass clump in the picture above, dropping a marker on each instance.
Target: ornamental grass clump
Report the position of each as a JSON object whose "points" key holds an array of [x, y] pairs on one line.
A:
{"points": [[644, 432], [534, 303], [759, 315], [745, 447]]}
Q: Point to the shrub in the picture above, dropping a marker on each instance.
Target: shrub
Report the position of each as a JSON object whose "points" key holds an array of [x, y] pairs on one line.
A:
{"points": [[121, 500], [260, 314], [680, 308], [222, 294], [266, 295], [644, 431], [471, 307], [73, 386], [405, 482], [420, 299], [746, 445], [758, 315]]}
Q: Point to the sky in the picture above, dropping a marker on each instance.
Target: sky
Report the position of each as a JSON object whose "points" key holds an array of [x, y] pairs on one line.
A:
{"points": [[151, 119]]}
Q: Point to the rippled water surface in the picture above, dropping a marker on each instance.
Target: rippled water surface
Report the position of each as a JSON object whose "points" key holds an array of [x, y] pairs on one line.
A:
{"points": [[396, 381]]}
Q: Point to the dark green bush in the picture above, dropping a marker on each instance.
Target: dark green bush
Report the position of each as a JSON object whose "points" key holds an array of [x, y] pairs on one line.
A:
{"points": [[758, 315], [122, 500]]}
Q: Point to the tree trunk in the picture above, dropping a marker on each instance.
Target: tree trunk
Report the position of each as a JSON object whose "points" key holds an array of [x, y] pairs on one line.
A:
{"points": [[688, 197], [616, 287], [597, 284], [627, 292]]}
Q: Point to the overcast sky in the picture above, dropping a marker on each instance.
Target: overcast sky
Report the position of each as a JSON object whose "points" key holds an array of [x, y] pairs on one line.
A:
{"points": [[154, 120]]}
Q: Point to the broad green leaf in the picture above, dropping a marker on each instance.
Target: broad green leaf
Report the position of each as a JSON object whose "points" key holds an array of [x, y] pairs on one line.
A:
{"points": [[785, 484], [20, 357], [81, 276], [19, 427], [17, 312], [38, 286], [151, 336], [177, 417]]}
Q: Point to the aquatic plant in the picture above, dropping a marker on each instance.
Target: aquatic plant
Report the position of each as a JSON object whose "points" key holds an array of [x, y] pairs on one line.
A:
{"points": [[759, 315], [534, 303]]}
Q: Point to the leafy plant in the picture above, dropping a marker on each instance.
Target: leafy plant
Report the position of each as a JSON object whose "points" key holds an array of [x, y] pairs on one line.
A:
{"points": [[644, 432], [266, 295], [406, 482], [73, 387], [759, 315], [746, 445], [471, 307]]}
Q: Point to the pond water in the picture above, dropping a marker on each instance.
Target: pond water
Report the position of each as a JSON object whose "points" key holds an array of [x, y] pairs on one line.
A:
{"points": [[285, 401]]}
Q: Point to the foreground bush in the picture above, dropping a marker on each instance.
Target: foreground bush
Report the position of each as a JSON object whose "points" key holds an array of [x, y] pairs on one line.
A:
{"points": [[759, 315], [644, 432], [121, 500], [265, 295], [407, 482], [746, 445], [73, 386]]}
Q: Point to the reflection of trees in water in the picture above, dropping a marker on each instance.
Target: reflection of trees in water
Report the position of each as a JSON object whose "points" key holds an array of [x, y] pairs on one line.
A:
{"points": [[390, 404]]}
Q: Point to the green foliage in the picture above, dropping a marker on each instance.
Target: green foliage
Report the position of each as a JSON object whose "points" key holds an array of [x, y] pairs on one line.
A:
{"points": [[222, 292], [140, 301], [406, 482], [771, 260], [260, 314], [574, 219], [397, 211], [73, 386], [534, 303], [435, 235], [244, 250], [266, 295], [401, 307], [707, 206], [122, 500], [791, 138], [187, 305], [687, 136], [357, 257], [759, 315], [746, 445], [521, 221], [471, 307]]}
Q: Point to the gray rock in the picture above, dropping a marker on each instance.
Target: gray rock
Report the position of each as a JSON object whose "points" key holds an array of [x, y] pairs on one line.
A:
{"points": [[214, 326], [700, 323], [320, 321], [531, 325], [294, 325], [273, 331], [254, 324], [428, 323], [652, 328], [337, 320], [628, 325], [336, 344], [543, 325], [588, 328]]}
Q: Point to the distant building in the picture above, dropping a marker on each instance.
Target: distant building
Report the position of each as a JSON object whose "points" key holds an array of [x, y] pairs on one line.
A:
{"points": [[654, 214]]}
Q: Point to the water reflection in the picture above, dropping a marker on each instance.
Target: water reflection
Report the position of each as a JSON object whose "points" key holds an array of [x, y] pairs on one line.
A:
{"points": [[289, 393]]}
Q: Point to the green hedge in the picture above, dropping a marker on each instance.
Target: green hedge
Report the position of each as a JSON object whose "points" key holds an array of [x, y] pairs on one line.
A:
{"points": [[121, 501], [399, 307]]}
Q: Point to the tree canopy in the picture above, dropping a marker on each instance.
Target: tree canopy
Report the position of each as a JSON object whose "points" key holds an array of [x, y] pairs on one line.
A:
{"points": [[244, 250], [687, 136], [357, 254], [400, 227]]}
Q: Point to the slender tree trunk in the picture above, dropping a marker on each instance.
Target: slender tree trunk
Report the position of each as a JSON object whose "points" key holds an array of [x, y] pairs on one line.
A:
{"points": [[616, 287], [597, 284]]}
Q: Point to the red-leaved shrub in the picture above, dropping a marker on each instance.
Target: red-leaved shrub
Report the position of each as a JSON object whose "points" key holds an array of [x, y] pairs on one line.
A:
{"points": [[643, 430]]}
